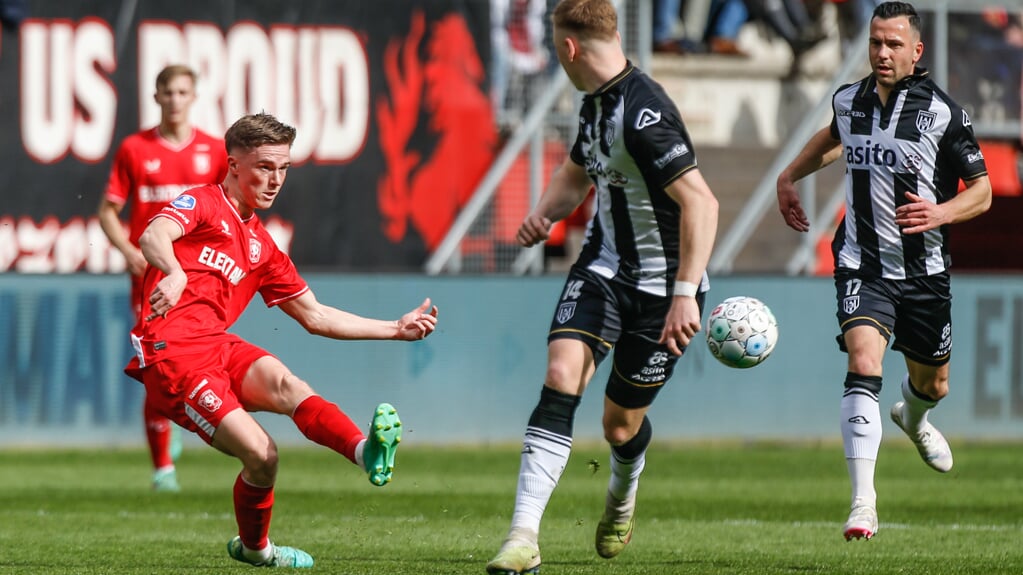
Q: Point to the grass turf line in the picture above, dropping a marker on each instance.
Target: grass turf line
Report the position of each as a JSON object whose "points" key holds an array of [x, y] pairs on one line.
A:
{"points": [[703, 508]]}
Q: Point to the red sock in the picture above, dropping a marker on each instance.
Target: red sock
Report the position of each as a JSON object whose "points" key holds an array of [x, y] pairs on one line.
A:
{"points": [[158, 433], [252, 509], [324, 422]]}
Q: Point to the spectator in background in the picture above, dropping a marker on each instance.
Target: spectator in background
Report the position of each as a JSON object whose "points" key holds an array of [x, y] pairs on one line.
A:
{"points": [[853, 15], [151, 168], [12, 12], [790, 20], [666, 14], [724, 21], [518, 30]]}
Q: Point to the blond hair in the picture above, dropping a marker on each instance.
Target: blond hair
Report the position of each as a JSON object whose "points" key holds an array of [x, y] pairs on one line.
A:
{"points": [[586, 18]]}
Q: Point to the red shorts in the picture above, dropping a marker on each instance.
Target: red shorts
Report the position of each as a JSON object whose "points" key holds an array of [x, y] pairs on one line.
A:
{"points": [[196, 391]]}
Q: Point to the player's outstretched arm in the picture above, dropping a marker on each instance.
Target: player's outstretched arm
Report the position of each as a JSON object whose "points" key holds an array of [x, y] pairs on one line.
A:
{"points": [[327, 321], [821, 150]]}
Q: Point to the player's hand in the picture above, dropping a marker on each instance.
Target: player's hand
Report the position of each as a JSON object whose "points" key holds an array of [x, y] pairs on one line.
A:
{"points": [[135, 262], [166, 294], [418, 323], [534, 229], [790, 207], [681, 324], [919, 215]]}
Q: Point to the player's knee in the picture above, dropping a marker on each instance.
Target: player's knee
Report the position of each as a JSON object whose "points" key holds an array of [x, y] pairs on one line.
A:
{"points": [[934, 388], [563, 376], [290, 391], [862, 363], [617, 433], [870, 384]]}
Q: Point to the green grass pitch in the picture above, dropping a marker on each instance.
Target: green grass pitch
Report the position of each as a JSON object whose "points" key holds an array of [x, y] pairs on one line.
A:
{"points": [[728, 508]]}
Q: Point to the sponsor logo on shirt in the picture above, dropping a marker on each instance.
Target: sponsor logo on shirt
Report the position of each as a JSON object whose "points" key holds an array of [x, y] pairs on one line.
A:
{"points": [[161, 194], [852, 113], [678, 150], [223, 263], [180, 216], [184, 202], [975, 157], [913, 163], [869, 155], [966, 119], [151, 166], [647, 117]]}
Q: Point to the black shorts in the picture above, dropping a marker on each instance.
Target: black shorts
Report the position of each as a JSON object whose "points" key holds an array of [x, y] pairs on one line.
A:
{"points": [[607, 315], [917, 311]]}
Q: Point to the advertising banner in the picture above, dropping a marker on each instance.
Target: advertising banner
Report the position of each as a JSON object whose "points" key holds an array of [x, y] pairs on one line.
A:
{"points": [[390, 100]]}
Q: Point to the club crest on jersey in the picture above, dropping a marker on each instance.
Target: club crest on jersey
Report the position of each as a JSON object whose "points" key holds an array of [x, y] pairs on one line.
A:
{"points": [[647, 117], [184, 202], [925, 120], [201, 163], [566, 311], [851, 304], [255, 248]]}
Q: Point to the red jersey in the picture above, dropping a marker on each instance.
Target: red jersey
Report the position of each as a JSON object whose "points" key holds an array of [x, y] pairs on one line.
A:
{"points": [[150, 171], [227, 260]]}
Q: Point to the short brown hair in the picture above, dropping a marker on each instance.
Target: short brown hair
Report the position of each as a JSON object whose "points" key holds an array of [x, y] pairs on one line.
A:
{"points": [[255, 130], [173, 71], [586, 18]]}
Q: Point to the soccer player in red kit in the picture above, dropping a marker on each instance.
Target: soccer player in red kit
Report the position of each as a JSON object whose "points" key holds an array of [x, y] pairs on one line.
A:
{"points": [[208, 256], [151, 168]]}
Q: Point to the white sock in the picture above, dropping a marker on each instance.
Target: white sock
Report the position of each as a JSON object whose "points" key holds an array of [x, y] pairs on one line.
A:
{"points": [[861, 424], [544, 456], [258, 555], [359, 450], [624, 484], [861, 437], [914, 415], [861, 476]]}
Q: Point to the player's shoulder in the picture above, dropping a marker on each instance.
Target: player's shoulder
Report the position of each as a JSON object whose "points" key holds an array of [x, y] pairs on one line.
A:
{"points": [[209, 193], [647, 103], [204, 136], [140, 139]]}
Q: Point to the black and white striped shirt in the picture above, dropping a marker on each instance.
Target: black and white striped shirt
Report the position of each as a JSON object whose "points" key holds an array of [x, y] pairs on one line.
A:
{"points": [[632, 143], [920, 141]]}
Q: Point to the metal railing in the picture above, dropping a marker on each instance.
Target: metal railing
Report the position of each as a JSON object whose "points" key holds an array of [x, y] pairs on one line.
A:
{"points": [[804, 257], [635, 19]]}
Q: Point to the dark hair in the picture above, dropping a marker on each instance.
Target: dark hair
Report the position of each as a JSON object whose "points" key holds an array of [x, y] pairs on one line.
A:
{"points": [[255, 130], [889, 10]]}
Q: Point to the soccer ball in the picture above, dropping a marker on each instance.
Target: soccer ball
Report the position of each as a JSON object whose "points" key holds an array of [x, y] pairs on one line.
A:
{"points": [[741, 332]]}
